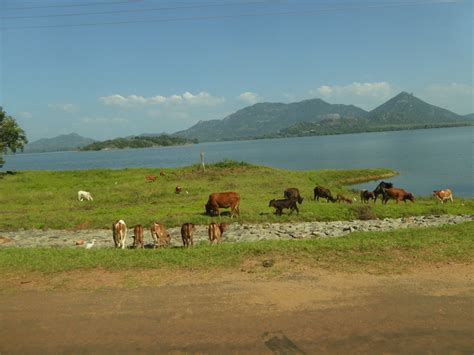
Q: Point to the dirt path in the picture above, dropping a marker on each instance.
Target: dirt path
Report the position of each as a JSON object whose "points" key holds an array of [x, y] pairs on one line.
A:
{"points": [[422, 311]]}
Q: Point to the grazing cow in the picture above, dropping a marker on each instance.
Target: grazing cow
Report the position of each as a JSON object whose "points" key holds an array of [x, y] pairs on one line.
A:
{"points": [[215, 232], [119, 232], [443, 195], [279, 205], [380, 190], [293, 192], [341, 198], [138, 236], [187, 231], [178, 189], [366, 195], [223, 200], [398, 195], [160, 235], [84, 195], [323, 193], [151, 178]]}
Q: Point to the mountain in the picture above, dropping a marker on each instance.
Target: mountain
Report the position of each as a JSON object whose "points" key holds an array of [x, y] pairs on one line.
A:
{"points": [[317, 117], [261, 118], [469, 116], [408, 109], [63, 142]]}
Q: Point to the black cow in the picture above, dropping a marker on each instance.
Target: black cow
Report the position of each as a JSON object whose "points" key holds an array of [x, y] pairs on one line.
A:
{"points": [[279, 205], [293, 192], [379, 190]]}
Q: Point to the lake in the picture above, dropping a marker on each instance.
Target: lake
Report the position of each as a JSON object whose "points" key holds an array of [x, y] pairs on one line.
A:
{"points": [[426, 159]]}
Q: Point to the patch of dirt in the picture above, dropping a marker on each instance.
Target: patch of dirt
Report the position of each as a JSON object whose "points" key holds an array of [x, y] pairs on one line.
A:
{"points": [[425, 310]]}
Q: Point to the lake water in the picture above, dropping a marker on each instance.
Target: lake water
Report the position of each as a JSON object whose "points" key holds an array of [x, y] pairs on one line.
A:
{"points": [[426, 159]]}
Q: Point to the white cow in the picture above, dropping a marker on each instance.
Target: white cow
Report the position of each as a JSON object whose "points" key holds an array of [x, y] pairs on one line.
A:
{"points": [[84, 195], [119, 232]]}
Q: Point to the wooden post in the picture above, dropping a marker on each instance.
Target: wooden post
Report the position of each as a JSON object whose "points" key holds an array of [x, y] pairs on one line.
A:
{"points": [[202, 162]]}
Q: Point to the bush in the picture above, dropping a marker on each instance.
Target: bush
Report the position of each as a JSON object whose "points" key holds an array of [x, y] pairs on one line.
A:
{"points": [[364, 213]]}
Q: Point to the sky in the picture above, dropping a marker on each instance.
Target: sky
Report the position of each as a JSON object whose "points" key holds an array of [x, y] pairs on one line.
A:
{"points": [[114, 68]]}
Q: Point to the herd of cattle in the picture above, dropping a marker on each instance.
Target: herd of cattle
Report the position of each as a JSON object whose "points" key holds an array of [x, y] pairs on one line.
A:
{"points": [[219, 200]]}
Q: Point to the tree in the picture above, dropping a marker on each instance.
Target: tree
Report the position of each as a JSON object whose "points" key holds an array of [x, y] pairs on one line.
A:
{"points": [[12, 137]]}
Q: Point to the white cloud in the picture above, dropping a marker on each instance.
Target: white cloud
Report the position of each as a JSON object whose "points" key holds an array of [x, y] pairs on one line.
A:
{"points": [[456, 97], [366, 95], [103, 120], [201, 99], [249, 97], [69, 108]]}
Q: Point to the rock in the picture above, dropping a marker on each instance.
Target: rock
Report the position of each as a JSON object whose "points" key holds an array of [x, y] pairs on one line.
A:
{"points": [[268, 263]]}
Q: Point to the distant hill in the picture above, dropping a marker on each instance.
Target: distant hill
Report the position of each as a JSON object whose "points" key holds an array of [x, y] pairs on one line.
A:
{"points": [[317, 117], [408, 109], [63, 142], [255, 120], [469, 116], [139, 142]]}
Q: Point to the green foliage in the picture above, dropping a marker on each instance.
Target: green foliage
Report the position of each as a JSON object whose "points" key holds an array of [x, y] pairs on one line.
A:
{"points": [[12, 137], [48, 199], [139, 142], [381, 252]]}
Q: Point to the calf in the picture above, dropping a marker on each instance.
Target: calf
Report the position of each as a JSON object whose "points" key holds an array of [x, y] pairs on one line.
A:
{"points": [[178, 189], [341, 198], [160, 235], [138, 236], [187, 231], [84, 195], [215, 232], [150, 178], [119, 233], [443, 195], [293, 192], [279, 205], [398, 195], [323, 193], [366, 196]]}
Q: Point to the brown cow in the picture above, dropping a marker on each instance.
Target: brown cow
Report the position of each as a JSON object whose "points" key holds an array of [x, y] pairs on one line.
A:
{"points": [[443, 195], [178, 189], [119, 233], [366, 196], [398, 195], [215, 232], [293, 193], [341, 198], [223, 200], [187, 231], [161, 237], [323, 193], [150, 178], [138, 236]]}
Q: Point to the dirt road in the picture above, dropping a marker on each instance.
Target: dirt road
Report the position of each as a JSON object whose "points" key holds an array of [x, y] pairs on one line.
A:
{"points": [[422, 311]]}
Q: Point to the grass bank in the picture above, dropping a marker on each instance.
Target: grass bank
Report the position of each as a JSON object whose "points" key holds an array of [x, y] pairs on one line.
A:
{"points": [[48, 199], [380, 252]]}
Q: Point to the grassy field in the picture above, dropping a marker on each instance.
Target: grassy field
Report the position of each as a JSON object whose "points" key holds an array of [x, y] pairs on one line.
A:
{"points": [[379, 252], [48, 199]]}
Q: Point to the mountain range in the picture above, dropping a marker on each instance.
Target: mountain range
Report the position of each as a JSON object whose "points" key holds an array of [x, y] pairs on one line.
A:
{"points": [[304, 118], [316, 117]]}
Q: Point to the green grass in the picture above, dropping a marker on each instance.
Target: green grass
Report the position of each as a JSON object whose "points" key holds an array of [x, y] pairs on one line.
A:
{"points": [[375, 251], [48, 199]]}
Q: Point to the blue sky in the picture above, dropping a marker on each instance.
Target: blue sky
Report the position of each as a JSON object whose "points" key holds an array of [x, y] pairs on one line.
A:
{"points": [[198, 60]]}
